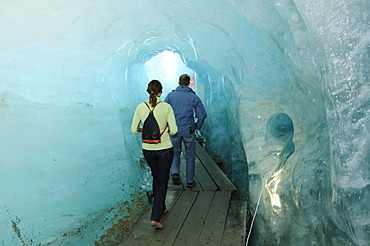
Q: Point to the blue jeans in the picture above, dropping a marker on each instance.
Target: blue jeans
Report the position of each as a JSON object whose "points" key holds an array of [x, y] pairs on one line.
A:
{"points": [[160, 164], [189, 142]]}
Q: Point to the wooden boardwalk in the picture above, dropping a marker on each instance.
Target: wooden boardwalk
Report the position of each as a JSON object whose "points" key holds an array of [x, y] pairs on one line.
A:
{"points": [[202, 215]]}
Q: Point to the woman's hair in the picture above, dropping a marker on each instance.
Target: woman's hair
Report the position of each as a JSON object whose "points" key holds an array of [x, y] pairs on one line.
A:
{"points": [[154, 87]]}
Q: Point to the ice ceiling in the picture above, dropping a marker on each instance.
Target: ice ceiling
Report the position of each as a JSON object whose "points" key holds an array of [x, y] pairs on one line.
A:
{"points": [[286, 88]]}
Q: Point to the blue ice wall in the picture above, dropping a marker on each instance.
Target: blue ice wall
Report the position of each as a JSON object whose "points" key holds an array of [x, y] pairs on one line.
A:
{"points": [[71, 74]]}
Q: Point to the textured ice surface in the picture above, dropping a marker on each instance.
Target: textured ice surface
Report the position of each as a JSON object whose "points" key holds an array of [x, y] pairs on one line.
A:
{"points": [[72, 72]]}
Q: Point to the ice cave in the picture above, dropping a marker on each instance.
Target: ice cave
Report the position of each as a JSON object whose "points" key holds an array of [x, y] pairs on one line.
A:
{"points": [[285, 84]]}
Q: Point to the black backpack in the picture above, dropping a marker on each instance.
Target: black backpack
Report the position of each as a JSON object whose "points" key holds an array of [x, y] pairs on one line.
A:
{"points": [[151, 133]]}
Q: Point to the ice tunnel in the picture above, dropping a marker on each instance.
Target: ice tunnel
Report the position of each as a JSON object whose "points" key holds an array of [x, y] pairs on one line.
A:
{"points": [[285, 85]]}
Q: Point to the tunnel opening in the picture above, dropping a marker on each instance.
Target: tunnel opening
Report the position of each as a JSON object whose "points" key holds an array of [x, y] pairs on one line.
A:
{"points": [[166, 67]]}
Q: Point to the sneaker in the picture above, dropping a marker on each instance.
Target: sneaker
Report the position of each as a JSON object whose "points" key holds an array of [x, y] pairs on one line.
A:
{"points": [[176, 179], [191, 184]]}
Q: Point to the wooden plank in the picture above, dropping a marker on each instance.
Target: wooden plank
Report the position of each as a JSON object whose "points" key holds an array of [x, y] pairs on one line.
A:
{"points": [[171, 198], [195, 221], [216, 218], [174, 220], [142, 234], [236, 224], [223, 183], [205, 181]]}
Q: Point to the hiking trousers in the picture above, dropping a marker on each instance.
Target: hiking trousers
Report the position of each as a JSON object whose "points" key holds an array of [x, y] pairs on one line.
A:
{"points": [[159, 162], [189, 142]]}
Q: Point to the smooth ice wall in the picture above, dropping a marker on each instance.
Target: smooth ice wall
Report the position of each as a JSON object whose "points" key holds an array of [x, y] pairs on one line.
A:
{"points": [[80, 67]]}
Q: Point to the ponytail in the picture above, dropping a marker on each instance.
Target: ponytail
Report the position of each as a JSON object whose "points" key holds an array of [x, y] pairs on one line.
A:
{"points": [[154, 88], [152, 99]]}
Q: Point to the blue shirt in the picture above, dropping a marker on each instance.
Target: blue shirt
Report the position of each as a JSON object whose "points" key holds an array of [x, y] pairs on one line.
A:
{"points": [[185, 103]]}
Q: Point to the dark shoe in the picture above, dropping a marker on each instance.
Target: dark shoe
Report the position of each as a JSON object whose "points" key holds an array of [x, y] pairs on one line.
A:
{"points": [[156, 224], [176, 179], [191, 184]]}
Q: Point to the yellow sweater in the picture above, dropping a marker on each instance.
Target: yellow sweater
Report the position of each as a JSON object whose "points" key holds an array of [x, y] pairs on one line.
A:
{"points": [[163, 113]]}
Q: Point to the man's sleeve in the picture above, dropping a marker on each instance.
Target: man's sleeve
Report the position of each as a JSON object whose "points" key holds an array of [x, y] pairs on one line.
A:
{"points": [[200, 113]]}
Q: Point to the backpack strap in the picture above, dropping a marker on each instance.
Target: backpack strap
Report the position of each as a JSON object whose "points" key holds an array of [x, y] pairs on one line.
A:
{"points": [[163, 130], [151, 110]]}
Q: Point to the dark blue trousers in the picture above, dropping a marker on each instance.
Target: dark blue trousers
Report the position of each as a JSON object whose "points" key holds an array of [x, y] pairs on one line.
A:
{"points": [[189, 142], [160, 164]]}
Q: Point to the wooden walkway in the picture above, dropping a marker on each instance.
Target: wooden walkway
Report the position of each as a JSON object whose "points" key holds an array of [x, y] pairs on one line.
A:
{"points": [[201, 215]]}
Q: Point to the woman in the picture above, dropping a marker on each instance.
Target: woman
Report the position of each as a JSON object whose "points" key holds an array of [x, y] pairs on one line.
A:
{"points": [[159, 155]]}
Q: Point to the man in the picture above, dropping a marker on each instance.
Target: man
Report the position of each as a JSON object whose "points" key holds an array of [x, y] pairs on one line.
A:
{"points": [[185, 103]]}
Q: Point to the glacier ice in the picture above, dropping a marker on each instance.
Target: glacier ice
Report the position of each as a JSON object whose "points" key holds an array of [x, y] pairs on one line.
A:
{"points": [[72, 72]]}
